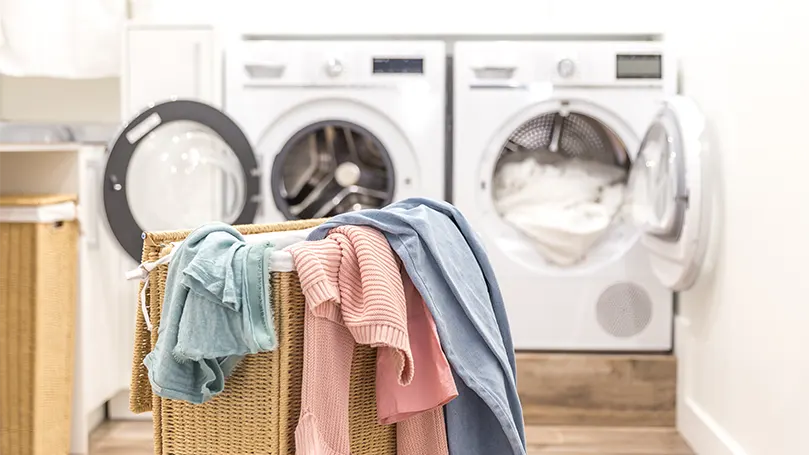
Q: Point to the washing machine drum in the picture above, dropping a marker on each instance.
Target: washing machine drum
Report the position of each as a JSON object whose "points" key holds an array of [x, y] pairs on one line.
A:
{"points": [[560, 181], [330, 168]]}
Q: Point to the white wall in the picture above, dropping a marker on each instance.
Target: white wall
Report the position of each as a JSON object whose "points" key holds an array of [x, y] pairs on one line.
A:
{"points": [[98, 100], [417, 17], [743, 334]]}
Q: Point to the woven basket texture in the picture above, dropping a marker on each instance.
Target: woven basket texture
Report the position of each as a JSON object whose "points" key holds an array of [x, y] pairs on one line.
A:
{"points": [[38, 293], [259, 409]]}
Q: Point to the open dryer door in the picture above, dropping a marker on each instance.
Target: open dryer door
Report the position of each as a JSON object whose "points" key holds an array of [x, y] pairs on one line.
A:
{"points": [[177, 165], [670, 200]]}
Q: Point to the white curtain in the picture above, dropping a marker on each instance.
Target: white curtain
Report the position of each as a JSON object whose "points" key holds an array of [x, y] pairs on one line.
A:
{"points": [[76, 39]]}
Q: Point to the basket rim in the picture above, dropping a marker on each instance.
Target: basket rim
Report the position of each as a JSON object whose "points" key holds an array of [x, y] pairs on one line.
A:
{"points": [[162, 238], [35, 200]]}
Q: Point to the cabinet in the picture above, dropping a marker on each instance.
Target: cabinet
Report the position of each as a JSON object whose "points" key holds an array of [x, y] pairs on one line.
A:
{"points": [[107, 325], [162, 62], [106, 302]]}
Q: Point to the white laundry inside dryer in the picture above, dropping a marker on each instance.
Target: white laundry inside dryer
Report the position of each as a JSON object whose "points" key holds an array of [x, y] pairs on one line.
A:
{"points": [[560, 181], [563, 207]]}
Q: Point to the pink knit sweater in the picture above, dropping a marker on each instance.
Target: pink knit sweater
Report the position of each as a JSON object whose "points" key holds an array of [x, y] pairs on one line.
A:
{"points": [[354, 292]]}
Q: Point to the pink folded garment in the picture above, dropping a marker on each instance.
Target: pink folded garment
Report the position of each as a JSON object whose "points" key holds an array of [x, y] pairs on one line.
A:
{"points": [[432, 385], [353, 289]]}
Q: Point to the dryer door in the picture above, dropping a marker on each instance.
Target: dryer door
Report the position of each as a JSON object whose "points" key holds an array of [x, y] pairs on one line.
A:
{"points": [[178, 165], [669, 195]]}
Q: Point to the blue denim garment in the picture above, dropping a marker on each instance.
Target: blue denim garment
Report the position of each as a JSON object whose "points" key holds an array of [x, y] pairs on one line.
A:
{"points": [[449, 267], [216, 309]]}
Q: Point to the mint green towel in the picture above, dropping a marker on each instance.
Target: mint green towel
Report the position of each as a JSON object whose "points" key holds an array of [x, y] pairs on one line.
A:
{"points": [[217, 308]]}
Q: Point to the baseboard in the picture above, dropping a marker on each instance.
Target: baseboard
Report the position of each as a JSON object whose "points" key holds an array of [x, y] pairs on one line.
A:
{"points": [[118, 408], [81, 427], [704, 434]]}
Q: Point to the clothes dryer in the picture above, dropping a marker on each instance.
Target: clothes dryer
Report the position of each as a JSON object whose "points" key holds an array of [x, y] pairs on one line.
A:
{"points": [[585, 176]]}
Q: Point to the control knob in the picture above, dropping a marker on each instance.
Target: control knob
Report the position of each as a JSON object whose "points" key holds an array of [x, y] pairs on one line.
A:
{"points": [[566, 68], [333, 67]]}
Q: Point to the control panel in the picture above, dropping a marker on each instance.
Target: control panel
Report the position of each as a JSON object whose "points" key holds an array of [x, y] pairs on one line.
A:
{"points": [[331, 63], [639, 66], [398, 65], [520, 65]]}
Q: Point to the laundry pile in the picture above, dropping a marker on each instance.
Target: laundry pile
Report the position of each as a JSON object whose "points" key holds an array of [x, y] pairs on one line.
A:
{"points": [[564, 206], [411, 280]]}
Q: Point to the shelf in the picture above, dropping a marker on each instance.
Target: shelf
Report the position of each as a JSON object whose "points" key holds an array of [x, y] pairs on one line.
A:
{"points": [[33, 148]]}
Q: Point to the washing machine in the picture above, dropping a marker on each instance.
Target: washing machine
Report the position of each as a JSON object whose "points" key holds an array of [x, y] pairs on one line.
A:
{"points": [[254, 131], [306, 129], [581, 274], [340, 125]]}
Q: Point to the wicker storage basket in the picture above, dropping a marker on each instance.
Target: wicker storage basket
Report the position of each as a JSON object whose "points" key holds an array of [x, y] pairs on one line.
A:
{"points": [[259, 409], [38, 286]]}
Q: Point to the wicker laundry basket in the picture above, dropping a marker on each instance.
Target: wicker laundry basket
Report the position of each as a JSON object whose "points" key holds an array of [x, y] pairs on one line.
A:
{"points": [[259, 409], [38, 286]]}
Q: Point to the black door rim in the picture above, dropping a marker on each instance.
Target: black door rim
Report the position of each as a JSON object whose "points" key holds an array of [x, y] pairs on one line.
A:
{"points": [[123, 225]]}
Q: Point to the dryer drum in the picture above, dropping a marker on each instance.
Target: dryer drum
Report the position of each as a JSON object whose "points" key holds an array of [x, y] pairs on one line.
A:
{"points": [[569, 135], [559, 180], [329, 168]]}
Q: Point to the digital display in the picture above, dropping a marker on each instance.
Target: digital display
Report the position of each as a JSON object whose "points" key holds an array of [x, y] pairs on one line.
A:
{"points": [[639, 66], [398, 66]]}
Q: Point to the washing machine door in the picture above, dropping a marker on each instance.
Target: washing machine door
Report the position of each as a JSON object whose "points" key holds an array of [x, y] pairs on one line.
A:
{"points": [[177, 165], [668, 193]]}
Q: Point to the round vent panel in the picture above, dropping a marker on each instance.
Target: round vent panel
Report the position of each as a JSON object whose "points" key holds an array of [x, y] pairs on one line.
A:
{"points": [[624, 310]]}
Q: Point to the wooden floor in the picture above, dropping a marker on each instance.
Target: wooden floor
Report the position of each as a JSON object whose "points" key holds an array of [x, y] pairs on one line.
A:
{"points": [[613, 390], [574, 404], [135, 438]]}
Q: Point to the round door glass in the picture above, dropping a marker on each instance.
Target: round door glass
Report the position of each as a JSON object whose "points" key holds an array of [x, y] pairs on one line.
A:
{"points": [[182, 175], [178, 165], [654, 184], [329, 168]]}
